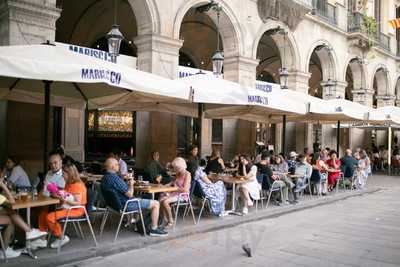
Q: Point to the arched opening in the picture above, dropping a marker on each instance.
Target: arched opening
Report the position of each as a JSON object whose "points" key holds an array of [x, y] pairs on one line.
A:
{"points": [[269, 59], [355, 77], [380, 85], [87, 24], [397, 91], [199, 33]]}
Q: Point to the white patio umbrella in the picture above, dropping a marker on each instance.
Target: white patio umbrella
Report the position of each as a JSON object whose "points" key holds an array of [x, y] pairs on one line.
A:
{"points": [[54, 74], [220, 98]]}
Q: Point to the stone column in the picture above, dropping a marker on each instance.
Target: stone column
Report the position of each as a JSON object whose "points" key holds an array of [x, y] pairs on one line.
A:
{"points": [[155, 130], [385, 100], [358, 137], [24, 22], [239, 136], [299, 133]]}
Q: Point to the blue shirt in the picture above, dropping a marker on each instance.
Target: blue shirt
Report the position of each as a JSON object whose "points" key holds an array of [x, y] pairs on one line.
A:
{"points": [[111, 181]]}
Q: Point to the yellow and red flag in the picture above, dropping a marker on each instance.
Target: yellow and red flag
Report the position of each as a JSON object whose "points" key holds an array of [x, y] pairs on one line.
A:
{"points": [[395, 23]]}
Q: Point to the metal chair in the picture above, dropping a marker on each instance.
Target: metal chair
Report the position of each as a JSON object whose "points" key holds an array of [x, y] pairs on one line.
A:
{"points": [[122, 213], [204, 201], [324, 179], [182, 202], [274, 188], [3, 247], [340, 179], [76, 223]]}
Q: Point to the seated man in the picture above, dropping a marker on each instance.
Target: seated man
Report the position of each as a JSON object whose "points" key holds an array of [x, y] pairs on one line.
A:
{"points": [[157, 174], [114, 183], [10, 218], [347, 165], [55, 174]]}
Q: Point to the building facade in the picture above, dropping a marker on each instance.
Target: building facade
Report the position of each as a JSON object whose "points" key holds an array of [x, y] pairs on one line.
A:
{"points": [[347, 43]]}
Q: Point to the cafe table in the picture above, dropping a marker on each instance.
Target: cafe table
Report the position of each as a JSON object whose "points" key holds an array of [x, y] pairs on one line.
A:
{"points": [[91, 178], [154, 189], [38, 201]]}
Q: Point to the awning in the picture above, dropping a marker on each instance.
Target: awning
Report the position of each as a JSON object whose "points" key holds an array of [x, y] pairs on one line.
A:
{"points": [[388, 115], [79, 77], [226, 99]]}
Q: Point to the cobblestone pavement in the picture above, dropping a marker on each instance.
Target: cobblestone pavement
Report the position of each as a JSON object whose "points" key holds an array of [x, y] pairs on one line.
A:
{"points": [[359, 231]]}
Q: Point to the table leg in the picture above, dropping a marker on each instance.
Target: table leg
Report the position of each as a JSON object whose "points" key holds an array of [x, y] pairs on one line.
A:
{"points": [[28, 249], [233, 210]]}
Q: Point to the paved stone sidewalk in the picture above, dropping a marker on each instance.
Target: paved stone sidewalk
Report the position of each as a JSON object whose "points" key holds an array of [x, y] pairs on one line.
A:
{"points": [[358, 231], [210, 229]]}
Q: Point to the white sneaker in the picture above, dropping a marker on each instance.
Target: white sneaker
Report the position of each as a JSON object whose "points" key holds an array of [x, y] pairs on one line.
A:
{"points": [[56, 243], [10, 253], [34, 233], [38, 243], [245, 210]]}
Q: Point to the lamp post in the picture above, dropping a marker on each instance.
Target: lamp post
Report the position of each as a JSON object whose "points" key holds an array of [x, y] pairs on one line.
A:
{"points": [[114, 37], [284, 77], [218, 57]]}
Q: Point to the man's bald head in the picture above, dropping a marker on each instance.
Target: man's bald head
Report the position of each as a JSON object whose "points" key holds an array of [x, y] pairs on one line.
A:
{"points": [[111, 165], [349, 152]]}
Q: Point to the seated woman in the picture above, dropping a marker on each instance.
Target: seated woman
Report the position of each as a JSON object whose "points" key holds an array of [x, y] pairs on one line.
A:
{"points": [[363, 169], [319, 167], [9, 218], [16, 174], [215, 192], [251, 188], [215, 164], [304, 171], [74, 194], [333, 168], [182, 181]]}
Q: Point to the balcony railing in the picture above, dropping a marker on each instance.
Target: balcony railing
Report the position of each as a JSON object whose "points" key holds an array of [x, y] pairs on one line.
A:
{"points": [[355, 24], [327, 12]]}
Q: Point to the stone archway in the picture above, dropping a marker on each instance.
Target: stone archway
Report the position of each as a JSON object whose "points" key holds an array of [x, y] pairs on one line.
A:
{"points": [[322, 65], [355, 77], [230, 29], [381, 86]]}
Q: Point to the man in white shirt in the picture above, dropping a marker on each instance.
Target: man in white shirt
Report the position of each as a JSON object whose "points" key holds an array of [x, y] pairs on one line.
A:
{"points": [[54, 175], [123, 167]]}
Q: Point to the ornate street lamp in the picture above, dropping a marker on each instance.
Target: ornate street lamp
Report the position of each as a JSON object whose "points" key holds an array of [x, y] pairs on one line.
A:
{"points": [[218, 57], [284, 77], [114, 37]]}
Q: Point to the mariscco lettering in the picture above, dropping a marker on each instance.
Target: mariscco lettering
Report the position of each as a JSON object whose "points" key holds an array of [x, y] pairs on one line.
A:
{"points": [[99, 74], [263, 100]]}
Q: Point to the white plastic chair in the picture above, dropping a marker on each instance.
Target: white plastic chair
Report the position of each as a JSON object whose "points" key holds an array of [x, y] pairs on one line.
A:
{"points": [[340, 179], [122, 213]]}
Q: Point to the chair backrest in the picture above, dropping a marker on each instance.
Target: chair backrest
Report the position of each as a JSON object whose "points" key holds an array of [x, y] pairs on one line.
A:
{"points": [[111, 199], [275, 187]]}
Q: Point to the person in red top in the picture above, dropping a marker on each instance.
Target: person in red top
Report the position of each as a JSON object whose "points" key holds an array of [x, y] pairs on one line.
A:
{"points": [[73, 195], [333, 164]]}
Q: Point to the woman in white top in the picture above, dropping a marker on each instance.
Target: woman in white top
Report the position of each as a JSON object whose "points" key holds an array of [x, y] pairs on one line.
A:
{"points": [[16, 174], [251, 188]]}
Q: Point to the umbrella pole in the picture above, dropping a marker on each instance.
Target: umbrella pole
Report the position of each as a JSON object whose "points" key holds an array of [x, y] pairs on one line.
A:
{"points": [[200, 110], [283, 135], [338, 138], [46, 124], [389, 149]]}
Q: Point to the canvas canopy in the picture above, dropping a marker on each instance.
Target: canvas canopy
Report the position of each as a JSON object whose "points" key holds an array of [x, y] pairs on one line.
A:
{"points": [[77, 75], [389, 115]]}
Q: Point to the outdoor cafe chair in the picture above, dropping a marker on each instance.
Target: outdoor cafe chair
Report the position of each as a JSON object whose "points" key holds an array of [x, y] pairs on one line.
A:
{"points": [[274, 188], [3, 247], [323, 179], [204, 201], [113, 206], [76, 223], [183, 203], [340, 180]]}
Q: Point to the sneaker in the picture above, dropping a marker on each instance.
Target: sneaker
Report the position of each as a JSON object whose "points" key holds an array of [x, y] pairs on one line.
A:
{"points": [[158, 232], [34, 234], [57, 242], [245, 210], [38, 243], [10, 253]]}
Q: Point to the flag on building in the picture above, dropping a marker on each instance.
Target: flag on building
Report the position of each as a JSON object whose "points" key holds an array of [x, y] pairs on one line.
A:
{"points": [[395, 23]]}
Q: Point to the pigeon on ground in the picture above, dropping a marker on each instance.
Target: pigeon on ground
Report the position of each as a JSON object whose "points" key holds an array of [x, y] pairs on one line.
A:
{"points": [[247, 249]]}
